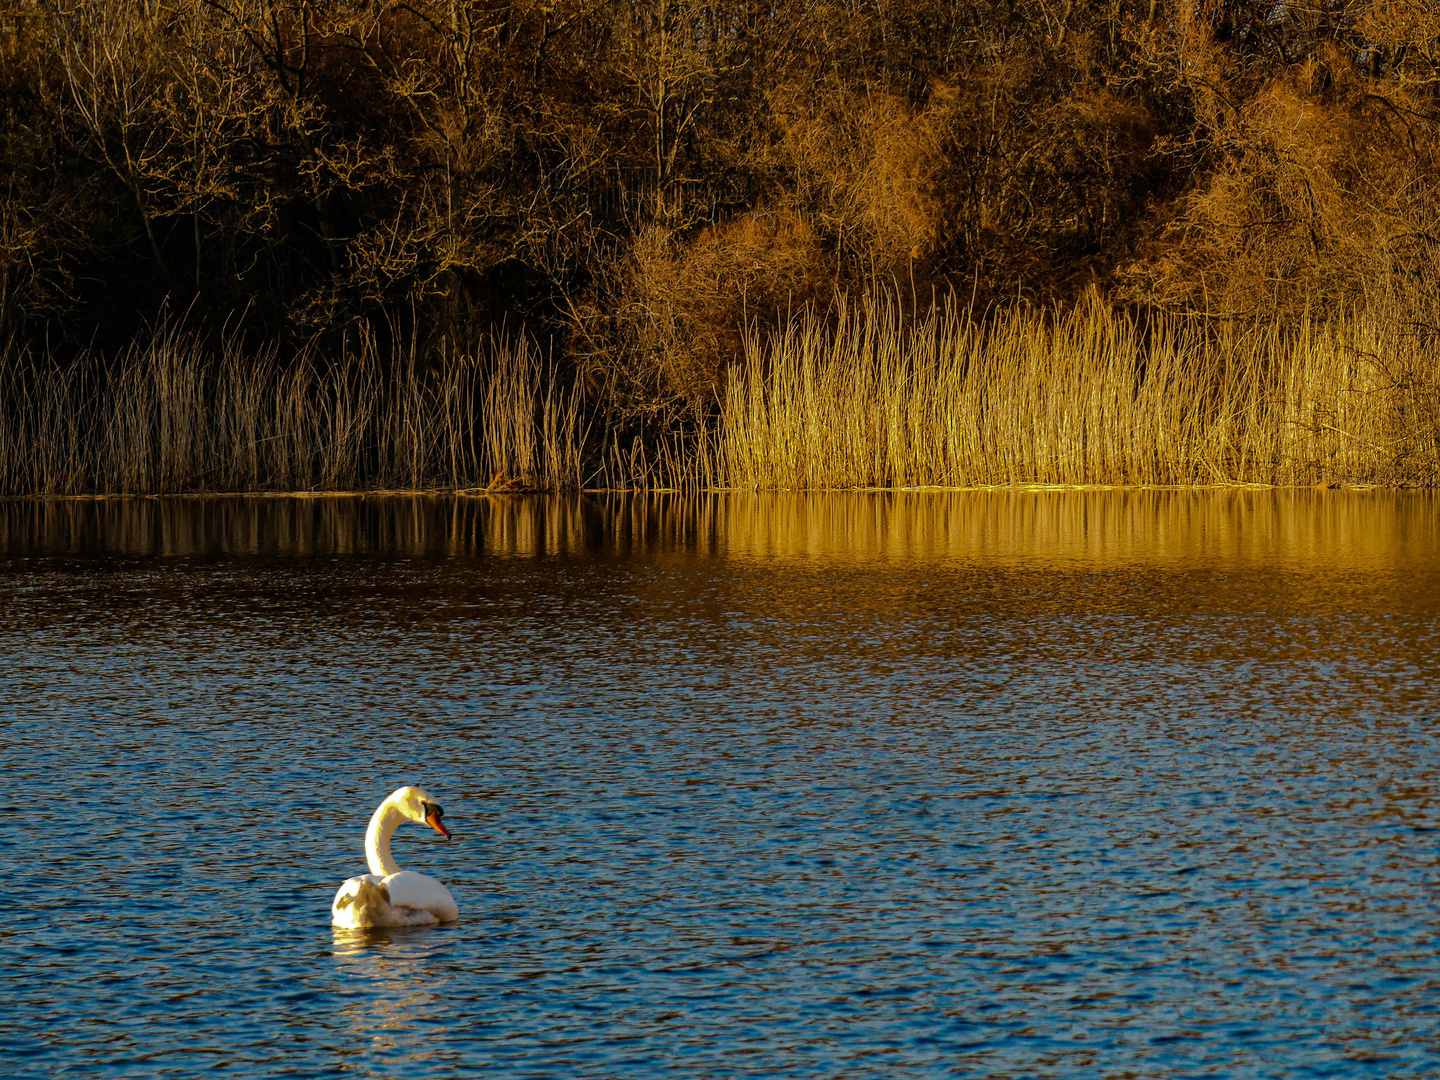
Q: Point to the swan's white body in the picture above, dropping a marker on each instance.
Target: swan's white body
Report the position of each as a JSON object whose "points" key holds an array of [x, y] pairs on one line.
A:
{"points": [[389, 896]]}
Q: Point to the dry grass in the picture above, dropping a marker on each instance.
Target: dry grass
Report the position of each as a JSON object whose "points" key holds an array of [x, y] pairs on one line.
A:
{"points": [[1090, 397], [863, 398], [171, 417]]}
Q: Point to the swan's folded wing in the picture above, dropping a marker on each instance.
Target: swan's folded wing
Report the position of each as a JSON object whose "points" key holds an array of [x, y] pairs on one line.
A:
{"points": [[363, 901], [421, 892]]}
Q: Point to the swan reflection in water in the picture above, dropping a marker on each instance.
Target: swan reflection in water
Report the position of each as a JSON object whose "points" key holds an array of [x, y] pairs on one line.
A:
{"points": [[398, 980]]}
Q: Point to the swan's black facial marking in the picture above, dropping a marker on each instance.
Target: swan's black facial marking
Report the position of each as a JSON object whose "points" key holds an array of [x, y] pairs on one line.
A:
{"points": [[433, 813]]}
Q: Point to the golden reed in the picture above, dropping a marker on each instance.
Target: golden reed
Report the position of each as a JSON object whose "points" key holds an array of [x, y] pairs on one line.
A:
{"points": [[854, 398], [170, 417], [1090, 397]]}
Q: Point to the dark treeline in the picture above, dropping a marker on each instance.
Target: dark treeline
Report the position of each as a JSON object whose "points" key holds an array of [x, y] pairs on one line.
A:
{"points": [[633, 179]]}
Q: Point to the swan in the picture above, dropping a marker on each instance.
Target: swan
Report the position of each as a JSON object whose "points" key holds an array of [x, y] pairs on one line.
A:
{"points": [[389, 896]]}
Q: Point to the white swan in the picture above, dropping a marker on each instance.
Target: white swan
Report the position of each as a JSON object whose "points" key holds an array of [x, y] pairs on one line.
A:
{"points": [[389, 896]]}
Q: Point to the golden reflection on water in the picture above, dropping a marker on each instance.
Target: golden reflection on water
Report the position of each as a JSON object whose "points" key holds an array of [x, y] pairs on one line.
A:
{"points": [[1093, 526], [400, 987], [1224, 525]]}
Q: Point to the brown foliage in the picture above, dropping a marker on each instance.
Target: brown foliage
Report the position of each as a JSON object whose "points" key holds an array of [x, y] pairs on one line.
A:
{"points": [[870, 164], [637, 178], [1323, 188], [675, 314]]}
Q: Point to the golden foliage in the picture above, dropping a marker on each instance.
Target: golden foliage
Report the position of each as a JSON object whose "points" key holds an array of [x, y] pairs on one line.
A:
{"points": [[1091, 397], [873, 162], [172, 417], [1325, 190], [644, 182], [678, 312]]}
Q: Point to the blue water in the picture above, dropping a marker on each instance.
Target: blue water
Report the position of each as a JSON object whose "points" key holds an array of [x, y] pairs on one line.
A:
{"points": [[1085, 784]]}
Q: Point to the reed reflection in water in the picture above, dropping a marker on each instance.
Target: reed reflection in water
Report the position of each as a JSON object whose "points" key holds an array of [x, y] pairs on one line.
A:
{"points": [[1122, 526], [995, 783]]}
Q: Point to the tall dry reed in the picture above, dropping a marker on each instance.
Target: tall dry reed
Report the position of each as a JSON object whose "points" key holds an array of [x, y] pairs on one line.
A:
{"points": [[169, 416], [1091, 397], [862, 397]]}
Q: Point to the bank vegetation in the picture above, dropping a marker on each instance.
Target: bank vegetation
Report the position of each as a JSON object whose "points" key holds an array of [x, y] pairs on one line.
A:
{"points": [[276, 244]]}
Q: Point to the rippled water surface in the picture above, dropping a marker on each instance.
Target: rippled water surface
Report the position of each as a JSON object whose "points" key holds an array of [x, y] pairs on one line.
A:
{"points": [[992, 784]]}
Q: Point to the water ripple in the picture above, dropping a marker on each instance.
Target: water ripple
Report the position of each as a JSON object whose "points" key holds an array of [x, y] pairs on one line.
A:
{"points": [[911, 802]]}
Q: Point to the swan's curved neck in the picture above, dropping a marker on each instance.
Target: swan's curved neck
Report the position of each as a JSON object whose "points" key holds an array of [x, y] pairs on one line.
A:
{"points": [[383, 823]]}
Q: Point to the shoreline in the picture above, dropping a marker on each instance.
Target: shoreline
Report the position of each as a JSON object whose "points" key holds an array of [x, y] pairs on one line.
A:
{"points": [[480, 493]]}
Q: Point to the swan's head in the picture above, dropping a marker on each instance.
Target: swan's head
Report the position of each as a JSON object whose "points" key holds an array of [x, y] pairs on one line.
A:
{"points": [[420, 808]]}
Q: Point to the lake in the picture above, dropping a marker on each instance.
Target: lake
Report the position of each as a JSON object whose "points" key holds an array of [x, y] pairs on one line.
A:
{"points": [[933, 784]]}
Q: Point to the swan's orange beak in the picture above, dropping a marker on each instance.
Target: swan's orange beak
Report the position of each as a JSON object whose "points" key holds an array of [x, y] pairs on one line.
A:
{"points": [[433, 820]]}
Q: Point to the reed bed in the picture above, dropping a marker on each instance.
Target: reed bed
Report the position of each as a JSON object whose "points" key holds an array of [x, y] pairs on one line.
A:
{"points": [[171, 417], [863, 399], [857, 397]]}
